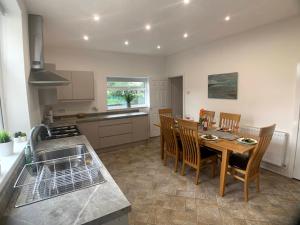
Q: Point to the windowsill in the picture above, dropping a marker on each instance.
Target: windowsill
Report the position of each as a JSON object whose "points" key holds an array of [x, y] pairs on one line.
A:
{"points": [[118, 109], [9, 163]]}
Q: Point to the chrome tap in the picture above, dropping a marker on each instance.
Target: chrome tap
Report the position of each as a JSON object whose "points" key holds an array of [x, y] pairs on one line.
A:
{"points": [[33, 141]]}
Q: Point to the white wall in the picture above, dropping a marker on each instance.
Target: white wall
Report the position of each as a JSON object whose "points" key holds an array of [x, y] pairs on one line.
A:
{"points": [[297, 157], [103, 64], [266, 60], [15, 104], [32, 91]]}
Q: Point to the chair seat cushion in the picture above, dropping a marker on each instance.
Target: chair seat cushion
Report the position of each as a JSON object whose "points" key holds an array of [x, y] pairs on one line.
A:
{"points": [[205, 152], [239, 161]]}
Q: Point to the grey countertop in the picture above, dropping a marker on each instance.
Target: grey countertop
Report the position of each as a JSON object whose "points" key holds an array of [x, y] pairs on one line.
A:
{"points": [[96, 204], [95, 117], [111, 116]]}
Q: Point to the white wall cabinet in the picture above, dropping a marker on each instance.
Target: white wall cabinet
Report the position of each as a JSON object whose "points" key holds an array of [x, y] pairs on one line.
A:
{"points": [[80, 88], [65, 92], [108, 133]]}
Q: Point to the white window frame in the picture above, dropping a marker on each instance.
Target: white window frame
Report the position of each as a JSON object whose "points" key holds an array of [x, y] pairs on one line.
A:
{"points": [[2, 14], [129, 79]]}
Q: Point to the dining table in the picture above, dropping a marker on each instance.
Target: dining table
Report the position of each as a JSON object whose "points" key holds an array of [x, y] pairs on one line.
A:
{"points": [[225, 144]]}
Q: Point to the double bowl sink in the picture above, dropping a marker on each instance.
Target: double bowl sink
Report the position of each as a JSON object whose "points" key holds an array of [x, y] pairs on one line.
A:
{"points": [[57, 172]]}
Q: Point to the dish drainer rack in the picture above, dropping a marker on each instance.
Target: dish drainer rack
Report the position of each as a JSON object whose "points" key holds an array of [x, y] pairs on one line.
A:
{"points": [[47, 179]]}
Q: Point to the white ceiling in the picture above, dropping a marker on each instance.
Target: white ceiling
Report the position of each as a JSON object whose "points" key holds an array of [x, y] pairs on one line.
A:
{"points": [[66, 21]]}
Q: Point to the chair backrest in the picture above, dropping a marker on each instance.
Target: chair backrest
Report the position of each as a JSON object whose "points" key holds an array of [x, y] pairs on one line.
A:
{"points": [[210, 115], [229, 120], [265, 137], [165, 112], [190, 141], [167, 128]]}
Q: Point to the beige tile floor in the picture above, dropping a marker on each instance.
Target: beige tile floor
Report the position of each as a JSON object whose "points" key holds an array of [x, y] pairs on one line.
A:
{"points": [[160, 196]]}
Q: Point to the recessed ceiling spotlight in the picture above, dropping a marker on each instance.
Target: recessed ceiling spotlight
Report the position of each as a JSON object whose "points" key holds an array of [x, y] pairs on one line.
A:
{"points": [[96, 17], [158, 47], [148, 27], [126, 43], [85, 37], [185, 35], [186, 2], [227, 18]]}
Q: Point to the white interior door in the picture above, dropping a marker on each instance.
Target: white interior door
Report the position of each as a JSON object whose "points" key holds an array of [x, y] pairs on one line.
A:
{"points": [[158, 99], [176, 95]]}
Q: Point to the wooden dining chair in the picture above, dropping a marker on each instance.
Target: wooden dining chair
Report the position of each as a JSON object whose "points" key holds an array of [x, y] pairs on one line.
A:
{"points": [[194, 155], [247, 167], [229, 120], [165, 112], [210, 115], [171, 143]]}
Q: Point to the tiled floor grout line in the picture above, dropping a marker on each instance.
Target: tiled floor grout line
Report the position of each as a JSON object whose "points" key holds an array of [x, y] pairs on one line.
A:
{"points": [[160, 197]]}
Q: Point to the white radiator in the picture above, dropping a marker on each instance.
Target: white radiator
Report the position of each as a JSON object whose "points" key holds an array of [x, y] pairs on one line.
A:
{"points": [[276, 151]]}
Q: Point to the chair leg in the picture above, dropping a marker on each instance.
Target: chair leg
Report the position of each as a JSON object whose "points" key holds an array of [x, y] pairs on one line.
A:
{"points": [[197, 176], [183, 168], [233, 172], [176, 164], [246, 190], [257, 183]]}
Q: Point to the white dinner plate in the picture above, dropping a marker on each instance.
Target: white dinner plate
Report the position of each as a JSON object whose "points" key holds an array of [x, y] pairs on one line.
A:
{"points": [[253, 141], [204, 137]]}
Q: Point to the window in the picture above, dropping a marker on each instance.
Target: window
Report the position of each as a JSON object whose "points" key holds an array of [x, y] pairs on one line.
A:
{"points": [[117, 87]]}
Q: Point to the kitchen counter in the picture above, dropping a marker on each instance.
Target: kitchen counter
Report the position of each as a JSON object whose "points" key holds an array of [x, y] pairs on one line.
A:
{"points": [[111, 116], [71, 120], [100, 204]]}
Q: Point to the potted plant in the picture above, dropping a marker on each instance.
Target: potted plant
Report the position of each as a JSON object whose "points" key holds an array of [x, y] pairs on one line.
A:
{"points": [[6, 144], [201, 116], [127, 95], [20, 137]]}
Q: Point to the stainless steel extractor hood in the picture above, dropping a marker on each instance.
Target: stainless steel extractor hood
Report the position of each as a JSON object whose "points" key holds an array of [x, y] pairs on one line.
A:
{"points": [[38, 75]]}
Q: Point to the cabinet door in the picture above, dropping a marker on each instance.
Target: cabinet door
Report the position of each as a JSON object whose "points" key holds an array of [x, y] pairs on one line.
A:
{"points": [[90, 130], [65, 92], [140, 128], [83, 85]]}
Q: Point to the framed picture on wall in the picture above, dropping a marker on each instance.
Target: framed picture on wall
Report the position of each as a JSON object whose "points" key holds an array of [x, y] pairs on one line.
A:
{"points": [[223, 86]]}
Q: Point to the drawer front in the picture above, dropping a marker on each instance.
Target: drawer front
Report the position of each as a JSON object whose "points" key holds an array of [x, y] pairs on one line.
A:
{"points": [[114, 121], [115, 140], [117, 129]]}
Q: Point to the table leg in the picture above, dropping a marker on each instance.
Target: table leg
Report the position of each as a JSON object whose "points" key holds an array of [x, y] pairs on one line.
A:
{"points": [[223, 173], [162, 146]]}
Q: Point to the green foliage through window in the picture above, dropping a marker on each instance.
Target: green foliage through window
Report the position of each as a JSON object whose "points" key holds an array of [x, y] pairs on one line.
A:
{"points": [[119, 92]]}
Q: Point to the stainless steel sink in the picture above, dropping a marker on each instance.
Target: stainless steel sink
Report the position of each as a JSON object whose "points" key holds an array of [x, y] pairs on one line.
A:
{"points": [[62, 152], [59, 172]]}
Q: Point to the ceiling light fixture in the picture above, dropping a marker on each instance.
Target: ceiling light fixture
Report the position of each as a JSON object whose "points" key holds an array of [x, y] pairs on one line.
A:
{"points": [[158, 47], [185, 35], [126, 43], [148, 27], [85, 37], [227, 18], [186, 2], [96, 17]]}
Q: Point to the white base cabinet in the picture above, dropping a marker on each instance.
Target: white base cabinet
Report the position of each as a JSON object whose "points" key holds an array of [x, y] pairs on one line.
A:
{"points": [[108, 133]]}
